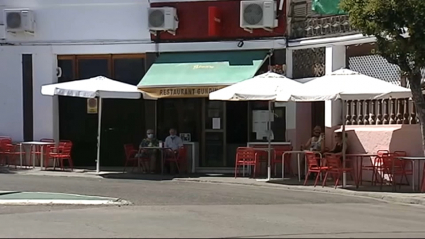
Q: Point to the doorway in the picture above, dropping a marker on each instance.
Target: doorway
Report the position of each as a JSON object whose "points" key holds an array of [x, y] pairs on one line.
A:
{"points": [[214, 134], [318, 114]]}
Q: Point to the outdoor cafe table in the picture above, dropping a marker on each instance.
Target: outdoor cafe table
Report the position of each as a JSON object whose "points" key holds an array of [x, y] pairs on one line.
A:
{"points": [[358, 159], [299, 162], [31, 144], [413, 159], [161, 149]]}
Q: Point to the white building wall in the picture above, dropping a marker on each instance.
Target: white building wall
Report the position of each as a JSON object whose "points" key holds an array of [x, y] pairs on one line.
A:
{"points": [[84, 20], [11, 116], [76, 27], [335, 59], [44, 72]]}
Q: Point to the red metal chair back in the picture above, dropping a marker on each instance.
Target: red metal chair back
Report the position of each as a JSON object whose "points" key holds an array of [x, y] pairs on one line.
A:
{"points": [[333, 162], [5, 144], [311, 159], [279, 151], [387, 161], [245, 154], [182, 154], [398, 162], [382, 152], [129, 151]]}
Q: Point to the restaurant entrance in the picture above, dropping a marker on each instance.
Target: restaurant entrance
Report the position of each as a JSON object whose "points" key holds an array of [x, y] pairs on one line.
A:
{"points": [[217, 128]]}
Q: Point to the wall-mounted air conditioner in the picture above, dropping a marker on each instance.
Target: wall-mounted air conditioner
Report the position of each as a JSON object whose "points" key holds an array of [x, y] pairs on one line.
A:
{"points": [[19, 20], [163, 19], [258, 14]]}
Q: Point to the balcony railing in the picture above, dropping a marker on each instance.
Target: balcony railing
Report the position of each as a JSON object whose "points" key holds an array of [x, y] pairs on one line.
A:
{"points": [[306, 23], [380, 112]]}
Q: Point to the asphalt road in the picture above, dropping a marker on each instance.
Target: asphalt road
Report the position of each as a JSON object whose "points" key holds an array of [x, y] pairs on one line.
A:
{"points": [[182, 209]]}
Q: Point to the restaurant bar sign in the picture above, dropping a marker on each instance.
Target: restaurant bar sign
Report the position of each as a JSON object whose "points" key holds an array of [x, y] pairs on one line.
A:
{"points": [[181, 92]]}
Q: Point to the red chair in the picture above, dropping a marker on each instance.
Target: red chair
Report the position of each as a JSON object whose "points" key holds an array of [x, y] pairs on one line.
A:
{"points": [[246, 157], [313, 167], [277, 159], [336, 170], [130, 156], [12, 153], [4, 149], [375, 167], [61, 154], [171, 157], [182, 159], [388, 162]]}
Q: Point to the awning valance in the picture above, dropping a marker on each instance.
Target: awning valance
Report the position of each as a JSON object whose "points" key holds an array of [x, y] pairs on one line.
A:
{"points": [[196, 74]]}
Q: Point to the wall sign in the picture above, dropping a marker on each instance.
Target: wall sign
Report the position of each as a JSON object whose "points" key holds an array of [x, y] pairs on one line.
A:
{"points": [[181, 92], [92, 106]]}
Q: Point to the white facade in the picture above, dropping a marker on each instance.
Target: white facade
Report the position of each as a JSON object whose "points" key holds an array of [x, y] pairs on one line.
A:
{"points": [[65, 27]]}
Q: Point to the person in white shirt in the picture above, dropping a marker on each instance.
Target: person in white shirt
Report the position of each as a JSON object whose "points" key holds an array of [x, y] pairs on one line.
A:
{"points": [[173, 141]]}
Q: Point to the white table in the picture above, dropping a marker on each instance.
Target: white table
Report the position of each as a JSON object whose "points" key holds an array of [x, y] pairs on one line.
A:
{"points": [[413, 159], [299, 162], [31, 144]]}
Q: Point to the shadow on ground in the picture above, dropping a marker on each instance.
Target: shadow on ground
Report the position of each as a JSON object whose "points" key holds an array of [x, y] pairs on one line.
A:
{"points": [[364, 187], [158, 177]]}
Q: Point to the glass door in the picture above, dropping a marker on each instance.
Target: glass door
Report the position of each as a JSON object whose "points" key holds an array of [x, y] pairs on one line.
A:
{"points": [[214, 130]]}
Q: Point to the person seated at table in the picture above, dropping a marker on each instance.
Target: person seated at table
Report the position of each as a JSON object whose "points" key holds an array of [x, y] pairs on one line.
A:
{"points": [[173, 141], [317, 141], [145, 152], [337, 149]]}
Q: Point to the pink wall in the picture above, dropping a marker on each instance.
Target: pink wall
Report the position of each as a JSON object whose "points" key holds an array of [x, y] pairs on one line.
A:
{"points": [[369, 139]]}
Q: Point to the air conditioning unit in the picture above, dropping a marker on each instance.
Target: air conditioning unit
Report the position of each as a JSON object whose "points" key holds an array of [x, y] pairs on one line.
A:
{"points": [[258, 14], [163, 19], [19, 20]]}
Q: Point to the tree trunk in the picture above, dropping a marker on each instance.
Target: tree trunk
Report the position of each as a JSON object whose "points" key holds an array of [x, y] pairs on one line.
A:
{"points": [[418, 99]]}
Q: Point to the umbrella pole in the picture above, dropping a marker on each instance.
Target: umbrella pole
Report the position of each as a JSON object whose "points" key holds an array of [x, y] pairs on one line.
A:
{"points": [[344, 144], [99, 129], [269, 172]]}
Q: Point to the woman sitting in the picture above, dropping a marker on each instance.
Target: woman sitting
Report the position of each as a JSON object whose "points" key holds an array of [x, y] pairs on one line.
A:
{"points": [[317, 141], [337, 149]]}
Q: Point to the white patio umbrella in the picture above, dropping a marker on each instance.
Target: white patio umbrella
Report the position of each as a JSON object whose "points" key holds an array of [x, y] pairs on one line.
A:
{"points": [[96, 87], [345, 85], [266, 86]]}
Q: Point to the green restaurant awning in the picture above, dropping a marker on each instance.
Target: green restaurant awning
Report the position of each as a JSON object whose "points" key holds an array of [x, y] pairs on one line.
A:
{"points": [[196, 74]]}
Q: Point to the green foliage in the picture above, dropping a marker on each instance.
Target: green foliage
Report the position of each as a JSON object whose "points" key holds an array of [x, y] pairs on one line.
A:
{"points": [[389, 21]]}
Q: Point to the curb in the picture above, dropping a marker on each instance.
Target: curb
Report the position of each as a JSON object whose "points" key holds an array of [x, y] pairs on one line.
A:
{"points": [[62, 202], [51, 198], [413, 199]]}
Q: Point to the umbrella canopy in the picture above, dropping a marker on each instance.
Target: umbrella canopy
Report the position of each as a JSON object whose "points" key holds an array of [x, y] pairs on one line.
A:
{"points": [[262, 87], [346, 85], [99, 86]]}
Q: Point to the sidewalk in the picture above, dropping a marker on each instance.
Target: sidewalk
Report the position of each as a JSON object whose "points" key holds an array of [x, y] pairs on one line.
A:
{"points": [[404, 196]]}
